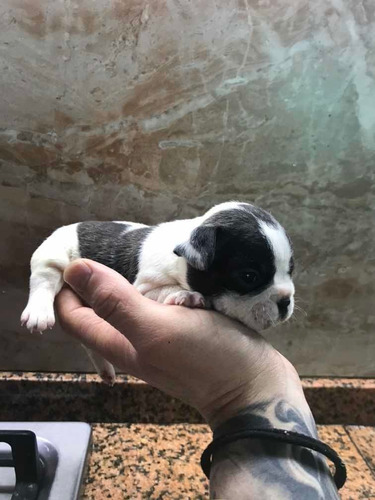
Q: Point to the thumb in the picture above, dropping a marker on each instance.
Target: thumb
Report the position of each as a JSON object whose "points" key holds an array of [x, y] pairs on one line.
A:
{"points": [[110, 295]]}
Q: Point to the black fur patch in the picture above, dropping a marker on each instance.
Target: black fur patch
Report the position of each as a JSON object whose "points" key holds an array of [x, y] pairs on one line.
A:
{"points": [[203, 241], [240, 247], [291, 265], [110, 244]]}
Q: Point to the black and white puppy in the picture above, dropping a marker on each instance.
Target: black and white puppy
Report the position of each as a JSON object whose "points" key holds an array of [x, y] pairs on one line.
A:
{"points": [[236, 259]]}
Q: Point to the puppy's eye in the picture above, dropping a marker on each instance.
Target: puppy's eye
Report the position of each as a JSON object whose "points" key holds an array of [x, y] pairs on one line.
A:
{"points": [[250, 277]]}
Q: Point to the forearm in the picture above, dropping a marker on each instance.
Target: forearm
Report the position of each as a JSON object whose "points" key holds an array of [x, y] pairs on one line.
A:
{"points": [[253, 469], [260, 468]]}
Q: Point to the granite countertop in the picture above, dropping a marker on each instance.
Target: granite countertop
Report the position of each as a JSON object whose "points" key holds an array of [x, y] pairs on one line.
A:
{"points": [[148, 445], [162, 461], [83, 397]]}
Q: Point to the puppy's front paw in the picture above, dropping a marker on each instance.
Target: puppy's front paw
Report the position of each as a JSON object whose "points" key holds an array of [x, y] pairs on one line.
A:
{"points": [[186, 298], [37, 317]]}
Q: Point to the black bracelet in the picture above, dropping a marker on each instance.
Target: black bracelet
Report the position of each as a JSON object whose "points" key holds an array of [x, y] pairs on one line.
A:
{"points": [[276, 435]]}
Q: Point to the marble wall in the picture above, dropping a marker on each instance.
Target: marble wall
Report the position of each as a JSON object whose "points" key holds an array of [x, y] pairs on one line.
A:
{"points": [[149, 111]]}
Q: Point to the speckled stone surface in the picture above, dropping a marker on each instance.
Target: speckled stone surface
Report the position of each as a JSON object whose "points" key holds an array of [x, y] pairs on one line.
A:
{"points": [[336, 382], [364, 439], [341, 401], [162, 462], [69, 396], [160, 459], [147, 461], [360, 484]]}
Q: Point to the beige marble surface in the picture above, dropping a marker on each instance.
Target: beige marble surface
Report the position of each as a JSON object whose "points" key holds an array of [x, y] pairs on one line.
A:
{"points": [[153, 110]]}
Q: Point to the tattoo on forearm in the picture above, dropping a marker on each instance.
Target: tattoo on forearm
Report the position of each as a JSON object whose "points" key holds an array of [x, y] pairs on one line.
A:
{"points": [[265, 469]]}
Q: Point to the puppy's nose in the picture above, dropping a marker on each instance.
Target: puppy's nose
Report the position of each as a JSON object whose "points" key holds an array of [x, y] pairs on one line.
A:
{"points": [[282, 305]]}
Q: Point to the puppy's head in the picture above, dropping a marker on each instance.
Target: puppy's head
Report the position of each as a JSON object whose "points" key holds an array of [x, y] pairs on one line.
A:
{"points": [[241, 260]]}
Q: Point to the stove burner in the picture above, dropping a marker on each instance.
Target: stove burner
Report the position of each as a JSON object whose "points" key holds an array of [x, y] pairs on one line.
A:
{"points": [[26, 462], [49, 459]]}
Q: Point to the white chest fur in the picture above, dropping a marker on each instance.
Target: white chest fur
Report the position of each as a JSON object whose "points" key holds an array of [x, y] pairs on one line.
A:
{"points": [[158, 265]]}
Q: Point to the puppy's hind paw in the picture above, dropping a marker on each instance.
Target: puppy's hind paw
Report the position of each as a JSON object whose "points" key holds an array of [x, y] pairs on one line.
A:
{"points": [[108, 377], [186, 298]]}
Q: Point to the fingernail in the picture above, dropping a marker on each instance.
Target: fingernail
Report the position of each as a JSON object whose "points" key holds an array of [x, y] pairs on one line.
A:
{"points": [[77, 275]]}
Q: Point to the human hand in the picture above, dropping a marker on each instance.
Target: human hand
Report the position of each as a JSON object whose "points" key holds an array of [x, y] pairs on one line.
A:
{"points": [[209, 361], [212, 363]]}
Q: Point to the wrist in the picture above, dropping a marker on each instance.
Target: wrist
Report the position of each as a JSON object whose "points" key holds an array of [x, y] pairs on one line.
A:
{"points": [[277, 386]]}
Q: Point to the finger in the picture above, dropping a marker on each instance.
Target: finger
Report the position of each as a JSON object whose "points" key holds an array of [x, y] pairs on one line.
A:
{"points": [[94, 332], [112, 297]]}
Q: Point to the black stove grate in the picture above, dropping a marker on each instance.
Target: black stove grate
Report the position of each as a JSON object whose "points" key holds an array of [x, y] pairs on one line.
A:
{"points": [[25, 459]]}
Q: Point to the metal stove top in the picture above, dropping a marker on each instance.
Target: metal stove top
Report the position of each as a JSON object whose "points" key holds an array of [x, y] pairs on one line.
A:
{"points": [[50, 461]]}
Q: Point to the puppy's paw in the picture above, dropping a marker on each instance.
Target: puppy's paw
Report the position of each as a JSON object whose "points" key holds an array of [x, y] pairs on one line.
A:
{"points": [[186, 298], [37, 317], [108, 376]]}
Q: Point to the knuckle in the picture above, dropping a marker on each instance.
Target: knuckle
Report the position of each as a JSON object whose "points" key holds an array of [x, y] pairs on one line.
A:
{"points": [[106, 304]]}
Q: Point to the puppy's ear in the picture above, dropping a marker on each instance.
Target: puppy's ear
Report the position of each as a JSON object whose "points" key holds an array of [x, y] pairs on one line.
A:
{"points": [[199, 250]]}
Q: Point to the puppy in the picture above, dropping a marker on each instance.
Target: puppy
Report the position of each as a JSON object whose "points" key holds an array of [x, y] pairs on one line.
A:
{"points": [[236, 259]]}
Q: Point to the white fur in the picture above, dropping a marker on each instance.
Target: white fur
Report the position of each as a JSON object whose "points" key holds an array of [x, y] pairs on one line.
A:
{"points": [[280, 246], [48, 263], [134, 225], [161, 276], [227, 205], [158, 265], [283, 285], [47, 266], [258, 313], [51, 258]]}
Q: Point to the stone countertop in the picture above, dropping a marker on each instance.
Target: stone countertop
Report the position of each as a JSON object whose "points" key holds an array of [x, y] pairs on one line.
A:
{"points": [[162, 461], [148, 445], [83, 397]]}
